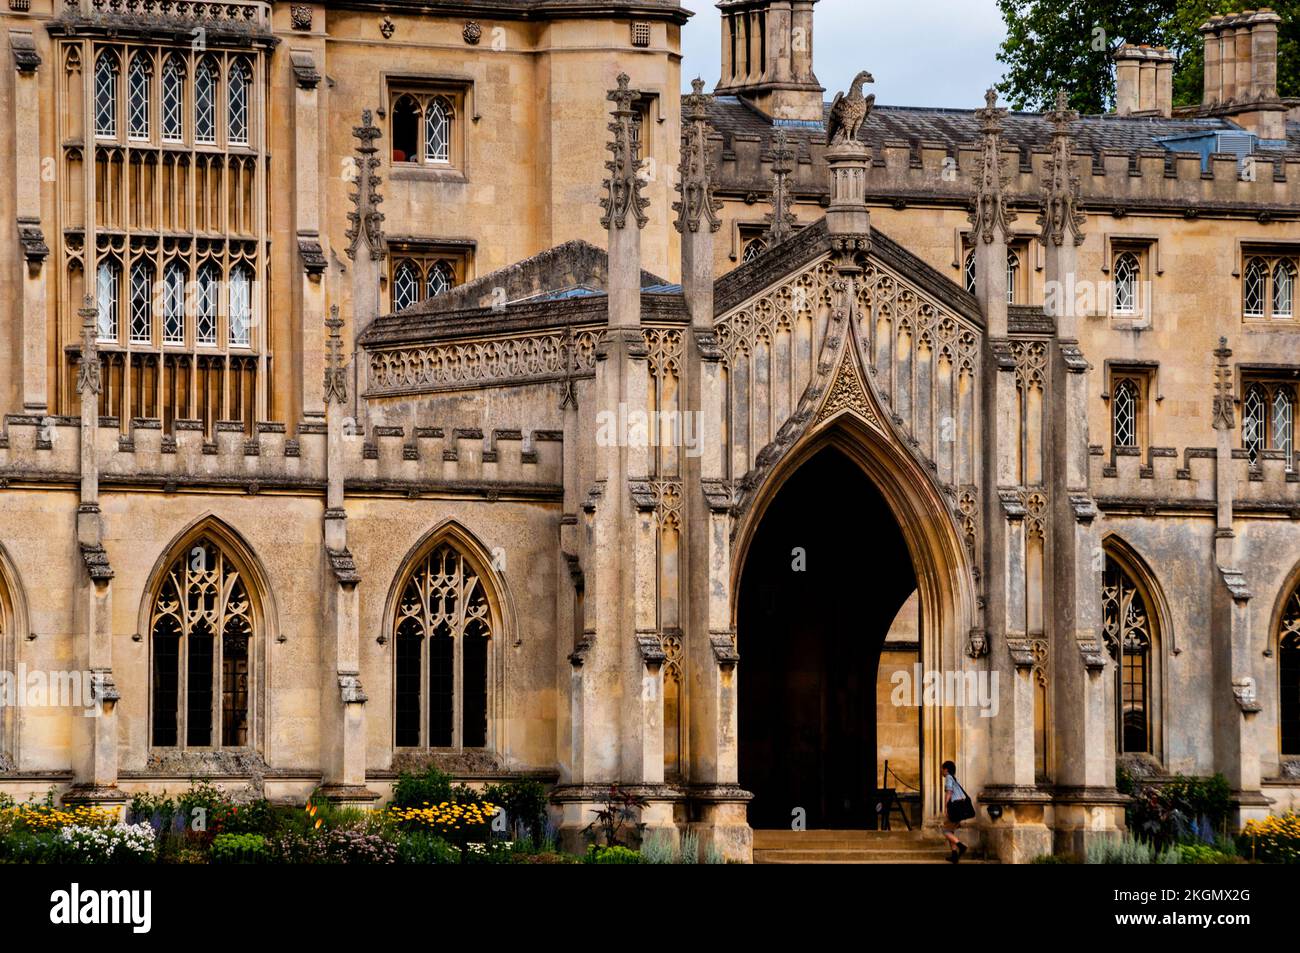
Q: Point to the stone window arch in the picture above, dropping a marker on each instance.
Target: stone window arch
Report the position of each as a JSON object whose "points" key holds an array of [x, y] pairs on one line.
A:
{"points": [[239, 84], [1283, 289], [1131, 632], [173, 99], [206, 76], [444, 625], [1268, 420], [108, 283], [406, 285], [441, 278], [205, 630], [1124, 413], [141, 319], [439, 115]]}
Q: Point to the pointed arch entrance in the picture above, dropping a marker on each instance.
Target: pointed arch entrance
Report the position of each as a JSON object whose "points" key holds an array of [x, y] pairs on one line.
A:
{"points": [[847, 538]]}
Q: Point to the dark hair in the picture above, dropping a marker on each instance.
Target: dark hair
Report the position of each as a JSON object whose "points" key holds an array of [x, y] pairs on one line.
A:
{"points": [[950, 768]]}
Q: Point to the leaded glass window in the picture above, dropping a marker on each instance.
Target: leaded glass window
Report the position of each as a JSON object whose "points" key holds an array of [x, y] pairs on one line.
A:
{"points": [[106, 69], [442, 277], [1127, 273], [406, 285], [442, 630], [1253, 430], [437, 130], [205, 102], [240, 306], [174, 304], [1283, 289], [753, 248], [237, 103], [969, 270], [1268, 420], [173, 100], [141, 303], [1013, 275], [1284, 423], [139, 80], [1124, 411], [201, 625], [1127, 630], [205, 311], [107, 282]]}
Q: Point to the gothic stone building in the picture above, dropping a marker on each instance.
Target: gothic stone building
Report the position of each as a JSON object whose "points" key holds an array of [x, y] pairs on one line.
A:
{"points": [[389, 384]]}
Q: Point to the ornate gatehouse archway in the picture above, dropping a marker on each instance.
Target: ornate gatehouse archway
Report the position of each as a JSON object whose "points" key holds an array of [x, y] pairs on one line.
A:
{"points": [[821, 588]]}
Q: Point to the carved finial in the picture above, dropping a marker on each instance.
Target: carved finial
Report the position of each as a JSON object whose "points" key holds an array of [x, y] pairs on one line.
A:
{"points": [[336, 381], [623, 187], [1060, 203], [695, 171], [1224, 401], [88, 360], [781, 220], [365, 219], [989, 208]]}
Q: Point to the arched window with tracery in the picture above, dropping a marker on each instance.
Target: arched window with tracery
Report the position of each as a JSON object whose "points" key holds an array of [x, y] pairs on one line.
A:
{"points": [[1013, 275], [106, 72], [237, 89], [406, 285], [1289, 673], [442, 277], [442, 630], [142, 302], [1127, 274], [205, 101], [968, 269], [1253, 285], [108, 282], [1124, 413], [205, 304], [1268, 420], [753, 248], [1283, 289], [138, 101], [174, 304], [437, 130], [202, 629], [173, 99], [1129, 630], [240, 308]]}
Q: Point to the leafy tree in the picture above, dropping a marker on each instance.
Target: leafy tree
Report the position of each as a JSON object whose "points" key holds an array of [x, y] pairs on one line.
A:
{"points": [[1069, 44]]}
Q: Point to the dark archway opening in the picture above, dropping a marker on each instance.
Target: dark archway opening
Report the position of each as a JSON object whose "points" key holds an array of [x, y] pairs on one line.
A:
{"points": [[810, 643]]}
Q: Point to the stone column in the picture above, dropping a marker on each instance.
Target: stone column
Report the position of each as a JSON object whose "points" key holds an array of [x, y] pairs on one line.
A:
{"points": [[343, 700], [28, 188], [1233, 656], [94, 757], [311, 253]]}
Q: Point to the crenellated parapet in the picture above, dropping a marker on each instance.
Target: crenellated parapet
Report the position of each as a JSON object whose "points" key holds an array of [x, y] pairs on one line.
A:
{"points": [[1167, 478], [1119, 181], [497, 462]]}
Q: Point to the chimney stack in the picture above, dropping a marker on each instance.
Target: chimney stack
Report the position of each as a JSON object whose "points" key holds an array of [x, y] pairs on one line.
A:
{"points": [[767, 57], [1241, 70], [1144, 81]]}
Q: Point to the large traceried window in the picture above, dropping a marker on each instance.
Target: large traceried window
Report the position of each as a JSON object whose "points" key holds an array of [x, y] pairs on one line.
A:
{"points": [[173, 99], [108, 280], [442, 632], [106, 72], [1128, 628], [1289, 674], [237, 89], [202, 626], [1268, 420], [138, 99], [205, 101]]}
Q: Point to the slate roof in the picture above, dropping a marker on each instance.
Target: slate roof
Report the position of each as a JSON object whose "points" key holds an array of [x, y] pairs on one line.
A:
{"points": [[952, 128]]}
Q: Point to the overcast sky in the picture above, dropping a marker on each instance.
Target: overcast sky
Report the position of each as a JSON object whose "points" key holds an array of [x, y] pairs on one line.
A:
{"points": [[921, 53]]}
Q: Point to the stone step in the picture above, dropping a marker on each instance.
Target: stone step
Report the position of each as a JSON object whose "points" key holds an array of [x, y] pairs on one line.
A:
{"points": [[848, 855], [853, 847]]}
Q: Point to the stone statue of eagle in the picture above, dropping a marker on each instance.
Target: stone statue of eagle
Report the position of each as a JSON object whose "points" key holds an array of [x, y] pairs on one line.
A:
{"points": [[849, 112]]}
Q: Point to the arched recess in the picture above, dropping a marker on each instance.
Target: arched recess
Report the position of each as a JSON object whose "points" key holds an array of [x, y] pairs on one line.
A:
{"points": [[940, 559], [13, 631], [1147, 598], [191, 551], [502, 632], [1284, 639]]}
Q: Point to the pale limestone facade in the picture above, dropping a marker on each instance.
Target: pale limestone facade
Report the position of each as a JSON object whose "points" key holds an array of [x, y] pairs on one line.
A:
{"points": [[326, 461]]}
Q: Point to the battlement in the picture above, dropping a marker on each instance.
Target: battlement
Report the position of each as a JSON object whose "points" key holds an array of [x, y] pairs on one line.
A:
{"points": [[391, 459], [1116, 180], [1166, 477]]}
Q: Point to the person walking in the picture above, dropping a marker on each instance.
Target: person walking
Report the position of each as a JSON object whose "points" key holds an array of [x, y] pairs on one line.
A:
{"points": [[957, 807]]}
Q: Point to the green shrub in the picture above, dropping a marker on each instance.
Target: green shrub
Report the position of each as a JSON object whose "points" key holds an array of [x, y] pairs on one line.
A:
{"points": [[1130, 850], [657, 848], [525, 806], [240, 849], [615, 854], [24, 847], [416, 790], [423, 847], [1205, 854]]}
